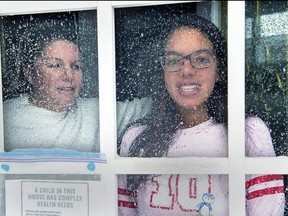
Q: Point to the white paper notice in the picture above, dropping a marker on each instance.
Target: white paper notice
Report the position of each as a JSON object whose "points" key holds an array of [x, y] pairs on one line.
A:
{"points": [[53, 198]]}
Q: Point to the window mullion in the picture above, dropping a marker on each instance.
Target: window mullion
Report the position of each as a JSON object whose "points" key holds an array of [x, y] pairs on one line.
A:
{"points": [[185, 165], [1, 107], [236, 105], [269, 165], [32, 7], [107, 102]]}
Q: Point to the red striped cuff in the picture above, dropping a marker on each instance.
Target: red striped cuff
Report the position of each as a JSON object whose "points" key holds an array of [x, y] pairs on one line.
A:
{"points": [[263, 192], [127, 204], [125, 192], [261, 179]]}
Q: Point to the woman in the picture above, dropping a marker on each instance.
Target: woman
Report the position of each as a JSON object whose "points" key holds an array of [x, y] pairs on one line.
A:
{"points": [[52, 114], [190, 119]]}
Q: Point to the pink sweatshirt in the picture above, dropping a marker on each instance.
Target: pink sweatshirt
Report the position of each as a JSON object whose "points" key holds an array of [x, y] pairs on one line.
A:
{"points": [[200, 195]]}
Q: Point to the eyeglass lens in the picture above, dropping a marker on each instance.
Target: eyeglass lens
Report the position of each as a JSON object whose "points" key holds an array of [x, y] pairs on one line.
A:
{"points": [[200, 60]]}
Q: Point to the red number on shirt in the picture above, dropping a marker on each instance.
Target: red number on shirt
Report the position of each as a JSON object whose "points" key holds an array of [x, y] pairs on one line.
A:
{"points": [[177, 189]]}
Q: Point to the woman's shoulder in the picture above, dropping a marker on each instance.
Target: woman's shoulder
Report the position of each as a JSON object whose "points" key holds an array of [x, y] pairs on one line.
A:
{"points": [[258, 139], [16, 102], [255, 123], [93, 101], [88, 104], [256, 129]]}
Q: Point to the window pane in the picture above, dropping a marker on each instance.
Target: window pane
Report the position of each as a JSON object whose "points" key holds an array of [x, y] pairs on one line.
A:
{"points": [[173, 194], [141, 35], [266, 68], [265, 192], [49, 76]]}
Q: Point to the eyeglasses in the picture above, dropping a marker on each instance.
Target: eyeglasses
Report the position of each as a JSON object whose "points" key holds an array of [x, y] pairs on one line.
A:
{"points": [[174, 61]]}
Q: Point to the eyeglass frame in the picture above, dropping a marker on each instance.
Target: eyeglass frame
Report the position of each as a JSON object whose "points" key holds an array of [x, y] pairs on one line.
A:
{"points": [[186, 57]]}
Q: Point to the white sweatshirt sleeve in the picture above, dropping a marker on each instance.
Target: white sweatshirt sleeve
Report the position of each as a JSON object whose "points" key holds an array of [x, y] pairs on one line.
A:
{"points": [[264, 193], [129, 111]]}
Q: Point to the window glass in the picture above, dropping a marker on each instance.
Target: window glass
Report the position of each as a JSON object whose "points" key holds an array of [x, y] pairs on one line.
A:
{"points": [[265, 191], [50, 81], [286, 195], [173, 194], [142, 56], [266, 75], [150, 56], [266, 67]]}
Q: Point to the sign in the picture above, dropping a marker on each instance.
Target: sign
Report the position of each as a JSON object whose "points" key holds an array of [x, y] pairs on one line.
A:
{"points": [[53, 198]]}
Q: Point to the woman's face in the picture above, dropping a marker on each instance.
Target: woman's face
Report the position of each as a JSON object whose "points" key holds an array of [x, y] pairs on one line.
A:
{"points": [[190, 87], [57, 77]]}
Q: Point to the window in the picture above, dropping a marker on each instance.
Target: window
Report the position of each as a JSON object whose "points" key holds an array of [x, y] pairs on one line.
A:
{"points": [[236, 165], [50, 81], [266, 66], [266, 43]]}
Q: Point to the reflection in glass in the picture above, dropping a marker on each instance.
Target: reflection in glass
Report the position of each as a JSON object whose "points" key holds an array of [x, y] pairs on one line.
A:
{"points": [[266, 66], [49, 75]]}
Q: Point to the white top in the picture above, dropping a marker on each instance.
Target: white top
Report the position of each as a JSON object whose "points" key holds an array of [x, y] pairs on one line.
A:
{"points": [[210, 135], [27, 126], [205, 194]]}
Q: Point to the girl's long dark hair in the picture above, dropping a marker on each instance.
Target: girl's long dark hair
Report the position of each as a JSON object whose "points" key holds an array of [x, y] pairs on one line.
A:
{"points": [[164, 119]]}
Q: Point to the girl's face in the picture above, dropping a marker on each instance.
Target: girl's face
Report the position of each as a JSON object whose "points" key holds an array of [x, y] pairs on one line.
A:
{"points": [[57, 77], [188, 86]]}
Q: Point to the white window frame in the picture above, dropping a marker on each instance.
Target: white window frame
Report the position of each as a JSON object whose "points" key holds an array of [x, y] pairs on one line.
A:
{"points": [[236, 165]]}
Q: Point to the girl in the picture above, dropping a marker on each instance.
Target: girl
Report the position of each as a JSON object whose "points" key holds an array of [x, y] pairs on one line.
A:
{"points": [[189, 118]]}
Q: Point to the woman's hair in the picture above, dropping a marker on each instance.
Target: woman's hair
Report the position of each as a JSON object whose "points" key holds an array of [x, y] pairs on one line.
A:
{"points": [[36, 38], [164, 120]]}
